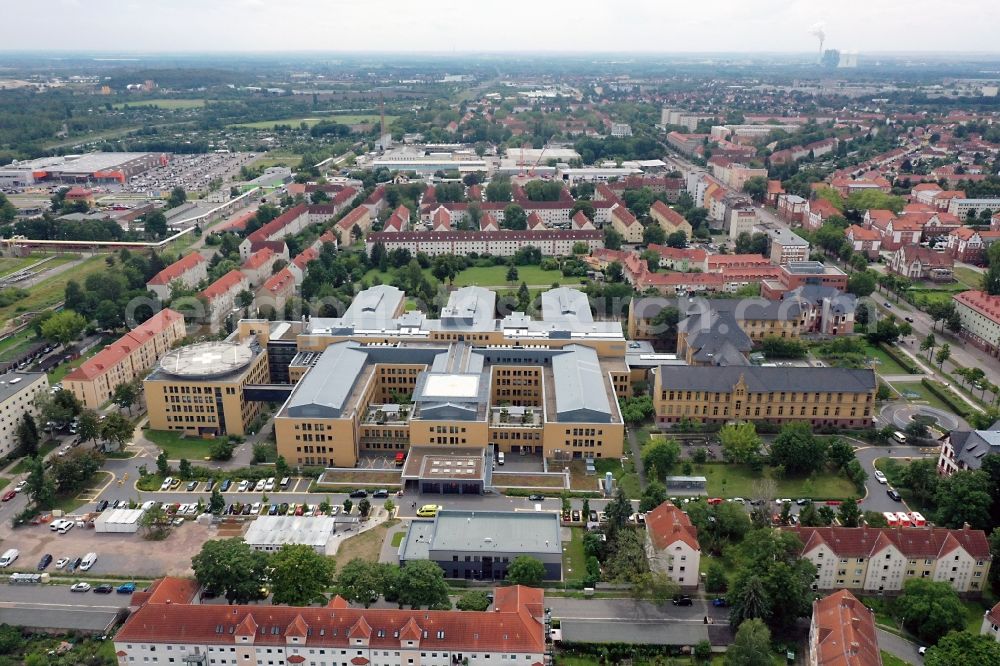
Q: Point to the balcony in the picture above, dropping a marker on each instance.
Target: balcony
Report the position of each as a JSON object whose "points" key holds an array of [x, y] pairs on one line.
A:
{"points": [[388, 414]]}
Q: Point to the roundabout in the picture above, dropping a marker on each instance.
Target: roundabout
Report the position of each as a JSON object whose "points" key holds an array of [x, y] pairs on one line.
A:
{"points": [[901, 414]]}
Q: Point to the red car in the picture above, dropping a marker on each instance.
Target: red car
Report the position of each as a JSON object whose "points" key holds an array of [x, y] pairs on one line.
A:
{"points": [[715, 500], [9, 495]]}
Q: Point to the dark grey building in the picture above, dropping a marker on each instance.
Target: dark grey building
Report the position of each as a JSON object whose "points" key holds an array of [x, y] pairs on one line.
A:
{"points": [[480, 545]]}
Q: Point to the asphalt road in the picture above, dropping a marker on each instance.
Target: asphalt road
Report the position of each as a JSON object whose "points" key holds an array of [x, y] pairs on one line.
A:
{"points": [[876, 498], [899, 647]]}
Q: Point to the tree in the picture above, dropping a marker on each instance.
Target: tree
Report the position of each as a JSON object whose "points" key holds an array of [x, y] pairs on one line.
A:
{"points": [[177, 197], [654, 233], [162, 467], [89, 426], [659, 457], [772, 582], [928, 344], [861, 283], [653, 495], [850, 513], [125, 395], [991, 280], [155, 224], [63, 327], [959, 648], [964, 497], [348, 505], [299, 576], [216, 502], [232, 568], [41, 490], [715, 577], [421, 583], [943, 354], [751, 647], [357, 580], [756, 187], [526, 570], [797, 449], [27, 435], [512, 274], [364, 508], [514, 218], [840, 452], [281, 469], [73, 472], [244, 299], [617, 512], [221, 448], [740, 442], [184, 469], [930, 609], [612, 239], [473, 600], [116, 429], [155, 523], [655, 587]]}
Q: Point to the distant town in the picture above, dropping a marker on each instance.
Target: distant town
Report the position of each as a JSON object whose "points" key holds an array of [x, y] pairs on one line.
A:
{"points": [[494, 361]]}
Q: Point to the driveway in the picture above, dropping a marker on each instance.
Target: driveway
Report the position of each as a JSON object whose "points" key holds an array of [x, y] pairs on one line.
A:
{"points": [[876, 498], [898, 647]]}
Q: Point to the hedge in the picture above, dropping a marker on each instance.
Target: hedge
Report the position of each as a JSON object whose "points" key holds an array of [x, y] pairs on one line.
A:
{"points": [[948, 397], [902, 359]]}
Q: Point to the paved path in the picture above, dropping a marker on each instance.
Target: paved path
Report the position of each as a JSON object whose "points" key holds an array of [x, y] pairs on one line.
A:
{"points": [[876, 498], [898, 647]]}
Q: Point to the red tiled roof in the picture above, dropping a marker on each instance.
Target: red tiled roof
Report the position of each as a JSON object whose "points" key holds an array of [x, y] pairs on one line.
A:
{"points": [[223, 284], [671, 215], [914, 542], [535, 221], [696, 254], [352, 218], [719, 261], [845, 632], [258, 259], [488, 223], [172, 590], [666, 524], [235, 224], [513, 627], [993, 614], [176, 269], [303, 258], [581, 221], [504, 234], [279, 282], [862, 234], [624, 216], [267, 231], [113, 354]]}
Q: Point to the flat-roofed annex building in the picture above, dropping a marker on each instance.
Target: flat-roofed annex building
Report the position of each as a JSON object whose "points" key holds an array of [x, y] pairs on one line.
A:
{"points": [[198, 389], [480, 545]]}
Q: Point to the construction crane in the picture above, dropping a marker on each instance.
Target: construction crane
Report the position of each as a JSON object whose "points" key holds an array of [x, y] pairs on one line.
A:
{"points": [[531, 171]]}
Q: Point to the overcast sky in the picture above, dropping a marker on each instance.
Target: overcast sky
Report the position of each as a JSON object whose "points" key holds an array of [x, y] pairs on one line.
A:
{"points": [[510, 25]]}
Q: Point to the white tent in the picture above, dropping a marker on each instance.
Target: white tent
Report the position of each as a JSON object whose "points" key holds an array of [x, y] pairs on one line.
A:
{"points": [[118, 520]]}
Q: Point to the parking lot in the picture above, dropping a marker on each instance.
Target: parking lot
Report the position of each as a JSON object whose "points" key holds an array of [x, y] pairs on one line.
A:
{"points": [[192, 172]]}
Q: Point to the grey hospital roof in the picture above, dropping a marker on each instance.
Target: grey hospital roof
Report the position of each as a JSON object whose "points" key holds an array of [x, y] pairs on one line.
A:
{"points": [[8, 390], [324, 389], [485, 532], [579, 385]]}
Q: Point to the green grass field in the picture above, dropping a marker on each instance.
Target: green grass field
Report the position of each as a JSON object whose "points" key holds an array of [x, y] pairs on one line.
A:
{"points": [[625, 475], [893, 660], [924, 297], [49, 292], [10, 265], [492, 276], [176, 446], [574, 560], [925, 395], [170, 104], [278, 158], [885, 364], [17, 344], [971, 278], [312, 120], [726, 480]]}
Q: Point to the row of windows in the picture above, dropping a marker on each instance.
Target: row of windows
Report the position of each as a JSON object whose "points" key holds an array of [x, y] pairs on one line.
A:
{"points": [[760, 397]]}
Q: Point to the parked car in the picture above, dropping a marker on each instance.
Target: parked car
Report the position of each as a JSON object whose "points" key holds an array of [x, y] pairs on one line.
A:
{"points": [[244, 485], [44, 562], [247, 508], [802, 501], [269, 484], [359, 493], [126, 588], [893, 494], [20, 485], [682, 601], [9, 495], [259, 488], [191, 486], [880, 477], [720, 602], [225, 485], [104, 589], [536, 497], [62, 562], [102, 505], [80, 587], [715, 500], [273, 510], [255, 508], [210, 485], [299, 509], [380, 493], [285, 481], [175, 484], [429, 510], [283, 509]]}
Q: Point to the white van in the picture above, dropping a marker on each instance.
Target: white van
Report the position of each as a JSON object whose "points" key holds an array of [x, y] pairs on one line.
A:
{"points": [[899, 437], [500, 458], [8, 557], [88, 561]]}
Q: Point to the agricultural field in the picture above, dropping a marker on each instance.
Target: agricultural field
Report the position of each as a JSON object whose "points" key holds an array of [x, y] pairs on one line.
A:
{"points": [[168, 104]]}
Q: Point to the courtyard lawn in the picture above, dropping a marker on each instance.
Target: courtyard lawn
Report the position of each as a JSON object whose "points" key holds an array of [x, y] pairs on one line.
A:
{"points": [[924, 297], [574, 560], [397, 539], [18, 343], [893, 660], [491, 276], [365, 546], [884, 364], [176, 446], [170, 104], [729, 480], [925, 396], [972, 279]]}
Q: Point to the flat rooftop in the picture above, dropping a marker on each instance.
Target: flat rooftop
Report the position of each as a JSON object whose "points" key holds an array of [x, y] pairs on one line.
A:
{"points": [[207, 360], [21, 380], [486, 532], [312, 531], [427, 458]]}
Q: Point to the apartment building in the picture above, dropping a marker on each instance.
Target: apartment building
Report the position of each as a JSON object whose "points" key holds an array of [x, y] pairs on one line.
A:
{"points": [[922, 263], [187, 271], [711, 394], [259, 265], [991, 623], [672, 546], [964, 450], [504, 243], [970, 245], [199, 389], [864, 241], [786, 246], [290, 222], [669, 220], [360, 218], [624, 222], [980, 315], [18, 391], [842, 632], [169, 627], [965, 209], [95, 380], [219, 298], [883, 559]]}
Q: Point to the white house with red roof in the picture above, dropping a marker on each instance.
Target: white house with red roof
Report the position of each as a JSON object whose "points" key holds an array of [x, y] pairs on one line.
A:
{"points": [[883, 559], [489, 223], [220, 297], [276, 291], [672, 546], [298, 265], [980, 315], [581, 221], [669, 219], [624, 222], [817, 212], [922, 263], [187, 271], [864, 241], [290, 222], [398, 221], [167, 621], [842, 632], [359, 217], [259, 266], [991, 623], [535, 222], [441, 220]]}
